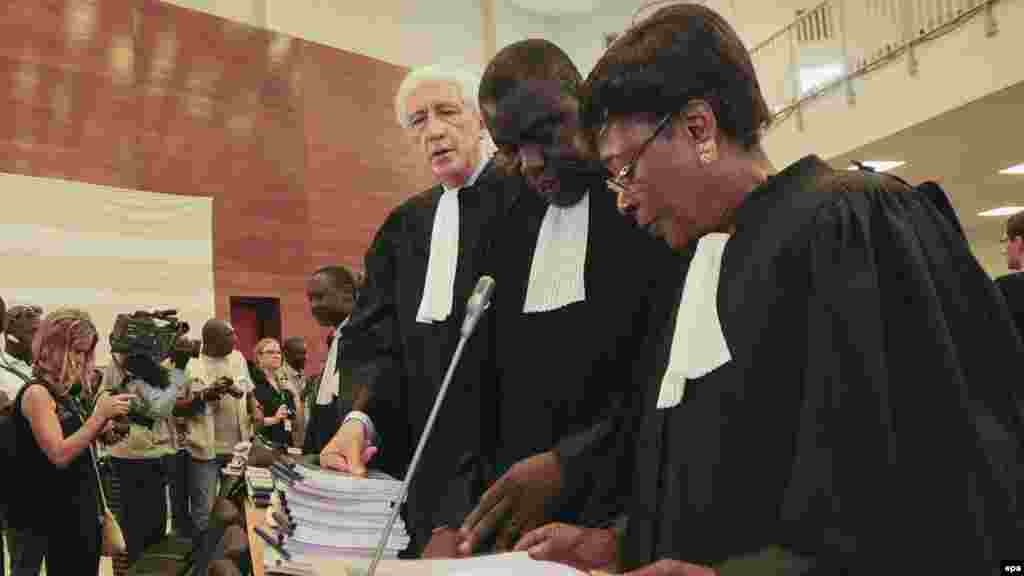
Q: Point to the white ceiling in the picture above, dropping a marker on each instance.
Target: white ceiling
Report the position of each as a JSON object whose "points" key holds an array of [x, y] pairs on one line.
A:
{"points": [[964, 150], [754, 20], [555, 8]]}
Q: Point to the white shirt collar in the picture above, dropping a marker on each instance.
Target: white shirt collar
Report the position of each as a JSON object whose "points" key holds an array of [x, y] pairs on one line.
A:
{"points": [[473, 177], [10, 359]]}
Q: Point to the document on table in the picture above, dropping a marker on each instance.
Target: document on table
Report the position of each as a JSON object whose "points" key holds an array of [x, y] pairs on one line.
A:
{"points": [[509, 564]]}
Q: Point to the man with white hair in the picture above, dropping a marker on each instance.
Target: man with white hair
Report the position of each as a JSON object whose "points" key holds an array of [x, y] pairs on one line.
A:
{"points": [[420, 269]]}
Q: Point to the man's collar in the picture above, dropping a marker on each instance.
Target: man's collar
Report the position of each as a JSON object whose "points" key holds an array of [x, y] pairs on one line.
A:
{"points": [[337, 331], [484, 160]]}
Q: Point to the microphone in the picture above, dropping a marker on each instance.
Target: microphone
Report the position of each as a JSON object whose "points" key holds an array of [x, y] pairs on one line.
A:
{"points": [[478, 303]]}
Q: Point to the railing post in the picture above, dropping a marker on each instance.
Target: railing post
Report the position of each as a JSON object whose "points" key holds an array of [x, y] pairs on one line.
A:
{"points": [[851, 96], [909, 36], [991, 25], [794, 74]]}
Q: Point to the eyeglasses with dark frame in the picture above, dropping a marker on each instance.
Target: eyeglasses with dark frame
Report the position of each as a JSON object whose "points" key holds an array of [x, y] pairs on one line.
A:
{"points": [[626, 171], [620, 182]]}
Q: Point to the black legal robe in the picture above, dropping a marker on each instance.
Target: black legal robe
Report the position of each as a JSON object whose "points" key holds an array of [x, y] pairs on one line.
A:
{"points": [[559, 373], [555, 378], [865, 423], [402, 362], [324, 421]]}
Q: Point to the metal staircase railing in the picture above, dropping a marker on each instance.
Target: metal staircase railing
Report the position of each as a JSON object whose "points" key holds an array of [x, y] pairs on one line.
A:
{"points": [[831, 44]]}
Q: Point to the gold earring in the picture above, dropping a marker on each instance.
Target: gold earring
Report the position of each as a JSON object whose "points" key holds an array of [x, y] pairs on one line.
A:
{"points": [[707, 152]]}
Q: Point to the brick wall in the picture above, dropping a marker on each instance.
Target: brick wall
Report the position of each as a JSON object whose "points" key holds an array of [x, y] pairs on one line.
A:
{"points": [[295, 141]]}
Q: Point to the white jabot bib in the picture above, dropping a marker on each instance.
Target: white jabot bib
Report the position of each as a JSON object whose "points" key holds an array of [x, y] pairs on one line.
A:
{"points": [[439, 284], [559, 259], [698, 345]]}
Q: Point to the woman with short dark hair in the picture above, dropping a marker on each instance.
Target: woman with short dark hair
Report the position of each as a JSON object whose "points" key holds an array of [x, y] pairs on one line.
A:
{"points": [[56, 508]]}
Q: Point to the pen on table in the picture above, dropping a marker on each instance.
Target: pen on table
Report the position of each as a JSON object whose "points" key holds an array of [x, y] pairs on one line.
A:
{"points": [[272, 542]]}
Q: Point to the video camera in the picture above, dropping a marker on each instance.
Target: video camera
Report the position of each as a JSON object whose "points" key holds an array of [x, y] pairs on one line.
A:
{"points": [[148, 334], [144, 340]]}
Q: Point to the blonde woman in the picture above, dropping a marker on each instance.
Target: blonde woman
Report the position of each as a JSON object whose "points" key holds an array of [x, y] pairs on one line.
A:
{"points": [[55, 509], [278, 394]]}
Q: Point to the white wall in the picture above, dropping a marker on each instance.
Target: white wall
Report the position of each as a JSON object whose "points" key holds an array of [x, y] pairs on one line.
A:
{"points": [[402, 32], [106, 250], [513, 24], [582, 36]]}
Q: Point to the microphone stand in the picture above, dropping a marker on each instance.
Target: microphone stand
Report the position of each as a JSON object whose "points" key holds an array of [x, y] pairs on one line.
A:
{"points": [[482, 296]]}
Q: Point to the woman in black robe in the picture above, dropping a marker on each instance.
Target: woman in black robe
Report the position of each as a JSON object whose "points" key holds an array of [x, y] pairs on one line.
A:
{"points": [[826, 391]]}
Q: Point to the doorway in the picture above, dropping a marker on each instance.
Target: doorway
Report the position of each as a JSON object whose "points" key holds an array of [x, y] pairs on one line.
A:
{"points": [[255, 318]]}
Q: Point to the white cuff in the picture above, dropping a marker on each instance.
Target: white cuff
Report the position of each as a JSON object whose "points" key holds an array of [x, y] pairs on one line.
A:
{"points": [[371, 432]]}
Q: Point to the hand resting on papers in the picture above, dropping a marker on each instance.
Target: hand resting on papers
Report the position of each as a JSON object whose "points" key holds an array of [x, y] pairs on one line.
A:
{"points": [[518, 502], [581, 548], [348, 450], [593, 550]]}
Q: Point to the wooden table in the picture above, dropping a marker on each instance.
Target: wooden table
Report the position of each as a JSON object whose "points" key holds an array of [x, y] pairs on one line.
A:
{"points": [[255, 517]]}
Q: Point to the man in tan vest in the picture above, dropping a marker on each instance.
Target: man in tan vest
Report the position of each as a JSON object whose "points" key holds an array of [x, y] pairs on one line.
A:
{"points": [[215, 423]]}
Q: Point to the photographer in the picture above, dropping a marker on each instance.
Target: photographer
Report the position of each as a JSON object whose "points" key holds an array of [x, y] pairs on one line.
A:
{"points": [[55, 510], [137, 460], [278, 395], [221, 413]]}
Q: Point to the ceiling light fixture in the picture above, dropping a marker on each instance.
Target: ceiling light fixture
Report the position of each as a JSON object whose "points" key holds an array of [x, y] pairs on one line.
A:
{"points": [[1002, 211], [1014, 170], [877, 165]]}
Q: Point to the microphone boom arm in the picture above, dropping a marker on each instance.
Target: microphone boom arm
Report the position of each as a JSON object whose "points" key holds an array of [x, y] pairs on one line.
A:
{"points": [[478, 303]]}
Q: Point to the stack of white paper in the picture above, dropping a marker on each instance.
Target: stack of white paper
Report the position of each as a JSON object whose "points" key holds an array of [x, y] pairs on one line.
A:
{"points": [[332, 516]]}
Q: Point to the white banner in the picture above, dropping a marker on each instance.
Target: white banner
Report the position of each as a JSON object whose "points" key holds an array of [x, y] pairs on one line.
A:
{"points": [[105, 250]]}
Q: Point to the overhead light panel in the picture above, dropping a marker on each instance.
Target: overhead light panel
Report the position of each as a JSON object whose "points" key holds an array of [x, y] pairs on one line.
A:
{"points": [[879, 165], [1017, 170], [1002, 211]]}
